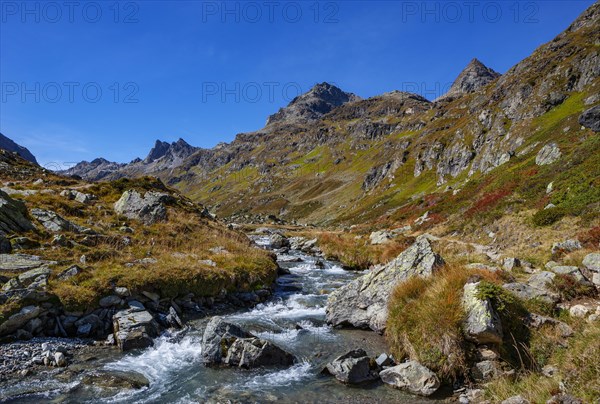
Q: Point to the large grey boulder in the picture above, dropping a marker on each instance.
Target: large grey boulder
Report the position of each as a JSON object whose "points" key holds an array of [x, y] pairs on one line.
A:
{"points": [[363, 302], [353, 367], [591, 118], [278, 241], [548, 154], [482, 324], [53, 222], [19, 319], [542, 280], [253, 352], [525, 291], [227, 344], [13, 216], [571, 271], [134, 328], [215, 341], [412, 377], [148, 209]]}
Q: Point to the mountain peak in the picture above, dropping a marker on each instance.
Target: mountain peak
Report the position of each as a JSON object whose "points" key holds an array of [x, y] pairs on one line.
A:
{"points": [[178, 149], [474, 76], [319, 100]]}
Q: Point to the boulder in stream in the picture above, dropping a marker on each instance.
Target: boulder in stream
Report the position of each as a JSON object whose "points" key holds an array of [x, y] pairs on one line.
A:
{"points": [[363, 302], [226, 343], [354, 367]]}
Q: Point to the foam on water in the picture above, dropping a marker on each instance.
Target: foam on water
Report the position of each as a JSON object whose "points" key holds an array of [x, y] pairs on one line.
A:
{"points": [[290, 308], [166, 357]]}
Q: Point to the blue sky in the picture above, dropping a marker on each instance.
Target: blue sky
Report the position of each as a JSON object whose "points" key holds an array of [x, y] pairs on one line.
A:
{"points": [[107, 79]]}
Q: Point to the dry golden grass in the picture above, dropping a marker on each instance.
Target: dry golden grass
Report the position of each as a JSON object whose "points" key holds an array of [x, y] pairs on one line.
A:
{"points": [[356, 252], [179, 246], [425, 321]]}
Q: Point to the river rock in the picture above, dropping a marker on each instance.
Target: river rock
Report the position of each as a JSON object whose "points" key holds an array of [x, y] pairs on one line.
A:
{"points": [[148, 209], [253, 352], [116, 379], [548, 154], [60, 359], [412, 377], [218, 337], [13, 216], [19, 319], [363, 302], [591, 118], [53, 222], [278, 241], [134, 329], [353, 367], [482, 324]]}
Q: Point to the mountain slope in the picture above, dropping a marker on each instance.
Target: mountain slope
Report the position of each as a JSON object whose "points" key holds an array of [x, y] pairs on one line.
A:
{"points": [[473, 78], [368, 159], [8, 144]]}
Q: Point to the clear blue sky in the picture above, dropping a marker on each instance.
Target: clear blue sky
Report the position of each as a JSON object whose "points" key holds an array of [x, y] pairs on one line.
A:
{"points": [[205, 71]]}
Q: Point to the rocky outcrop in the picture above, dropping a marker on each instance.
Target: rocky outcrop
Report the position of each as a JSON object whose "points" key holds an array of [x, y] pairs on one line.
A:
{"points": [[11, 146], [482, 323], [363, 302], [148, 209], [354, 367], [548, 154], [78, 196], [224, 343], [380, 237], [412, 377], [134, 328], [525, 291], [13, 216], [591, 118]]}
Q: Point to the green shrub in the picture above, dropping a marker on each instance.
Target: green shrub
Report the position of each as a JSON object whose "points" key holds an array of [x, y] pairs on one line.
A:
{"points": [[549, 216]]}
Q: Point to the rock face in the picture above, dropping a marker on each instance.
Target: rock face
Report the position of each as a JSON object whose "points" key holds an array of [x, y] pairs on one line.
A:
{"points": [[227, 344], [474, 77], [134, 328], [353, 367], [148, 209], [363, 302], [312, 105], [13, 216], [548, 155], [412, 377], [591, 118], [5, 246], [8, 144], [482, 324]]}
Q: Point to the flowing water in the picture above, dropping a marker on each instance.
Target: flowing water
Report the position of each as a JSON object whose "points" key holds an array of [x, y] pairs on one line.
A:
{"points": [[293, 319]]}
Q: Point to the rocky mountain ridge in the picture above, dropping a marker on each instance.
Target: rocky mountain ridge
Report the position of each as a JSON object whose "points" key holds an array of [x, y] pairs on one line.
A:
{"points": [[10, 145]]}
